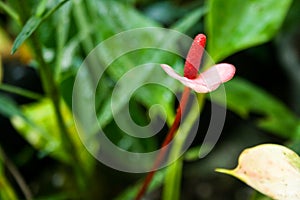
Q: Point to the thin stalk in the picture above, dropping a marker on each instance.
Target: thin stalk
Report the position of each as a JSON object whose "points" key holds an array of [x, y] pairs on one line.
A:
{"points": [[173, 130], [20, 91], [11, 12], [16, 174], [172, 182]]}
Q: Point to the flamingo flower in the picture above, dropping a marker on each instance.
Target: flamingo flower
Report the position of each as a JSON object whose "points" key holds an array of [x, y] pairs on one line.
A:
{"points": [[204, 82]]}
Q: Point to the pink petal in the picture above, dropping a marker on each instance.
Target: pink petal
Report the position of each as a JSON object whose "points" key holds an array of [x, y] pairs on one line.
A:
{"points": [[207, 81], [216, 75]]}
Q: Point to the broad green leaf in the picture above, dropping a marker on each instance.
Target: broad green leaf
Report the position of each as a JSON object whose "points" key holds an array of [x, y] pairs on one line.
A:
{"points": [[33, 23], [110, 25], [245, 98], [147, 96], [272, 169], [45, 134], [233, 25]]}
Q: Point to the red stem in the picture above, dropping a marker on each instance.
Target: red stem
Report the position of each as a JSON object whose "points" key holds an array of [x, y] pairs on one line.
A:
{"points": [[169, 137]]}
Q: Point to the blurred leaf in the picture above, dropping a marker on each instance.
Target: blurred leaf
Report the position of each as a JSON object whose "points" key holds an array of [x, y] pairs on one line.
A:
{"points": [[131, 192], [244, 99], [8, 107], [272, 169], [17, 90], [1, 70], [164, 12], [189, 20], [122, 16], [147, 96], [10, 11], [194, 153], [33, 23], [45, 135], [62, 19], [233, 25], [24, 54]]}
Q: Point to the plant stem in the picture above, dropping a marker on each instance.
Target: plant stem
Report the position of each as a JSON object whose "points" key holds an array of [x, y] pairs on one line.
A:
{"points": [[51, 90], [173, 130], [20, 91], [16, 174], [11, 12]]}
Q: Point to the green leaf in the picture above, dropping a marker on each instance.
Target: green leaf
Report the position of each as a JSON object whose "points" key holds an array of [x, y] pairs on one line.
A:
{"points": [[194, 153], [131, 192], [33, 23], [233, 25], [10, 11], [148, 96], [188, 21], [62, 19], [44, 134], [272, 169], [244, 98], [8, 107], [19, 91]]}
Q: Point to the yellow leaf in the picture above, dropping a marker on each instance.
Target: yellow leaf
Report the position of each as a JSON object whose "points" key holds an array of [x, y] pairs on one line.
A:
{"points": [[271, 169]]}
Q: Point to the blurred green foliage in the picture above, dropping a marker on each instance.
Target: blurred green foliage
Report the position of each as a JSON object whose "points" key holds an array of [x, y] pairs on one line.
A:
{"points": [[61, 33]]}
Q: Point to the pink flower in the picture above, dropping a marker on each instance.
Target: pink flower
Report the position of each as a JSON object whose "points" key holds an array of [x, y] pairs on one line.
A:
{"points": [[207, 81]]}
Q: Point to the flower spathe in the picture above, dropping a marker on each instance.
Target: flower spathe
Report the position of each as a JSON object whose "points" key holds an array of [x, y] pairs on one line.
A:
{"points": [[207, 81]]}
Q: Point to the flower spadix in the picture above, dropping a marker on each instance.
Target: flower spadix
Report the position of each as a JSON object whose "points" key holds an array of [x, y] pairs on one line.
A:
{"points": [[204, 82], [271, 169]]}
